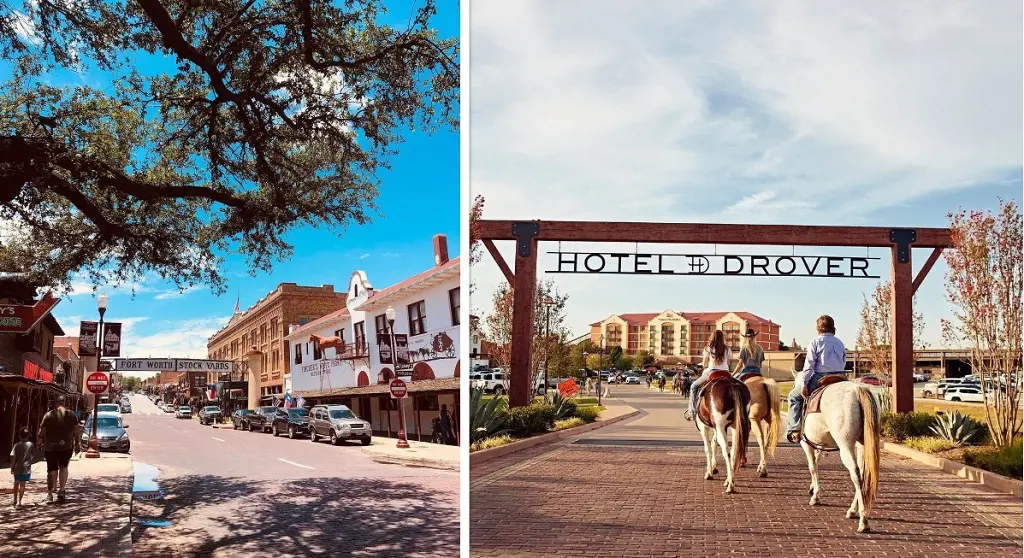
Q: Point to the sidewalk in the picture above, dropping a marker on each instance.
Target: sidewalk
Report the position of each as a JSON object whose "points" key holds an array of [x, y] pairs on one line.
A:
{"points": [[93, 521], [419, 454]]}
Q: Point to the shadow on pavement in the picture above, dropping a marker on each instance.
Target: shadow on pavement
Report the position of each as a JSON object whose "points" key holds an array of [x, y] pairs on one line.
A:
{"points": [[214, 516]]}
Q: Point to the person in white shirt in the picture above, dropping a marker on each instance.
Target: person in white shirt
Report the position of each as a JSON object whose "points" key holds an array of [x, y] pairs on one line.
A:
{"points": [[717, 356]]}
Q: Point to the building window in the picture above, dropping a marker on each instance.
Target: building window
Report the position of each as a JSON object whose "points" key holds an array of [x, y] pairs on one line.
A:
{"points": [[340, 334], [427, 403], [277, 359], [380, 323], [454, 303], [387, 404], [417, 318], [298, 354], [317, 353], [273, 328], [303, 320], [360, 332]]}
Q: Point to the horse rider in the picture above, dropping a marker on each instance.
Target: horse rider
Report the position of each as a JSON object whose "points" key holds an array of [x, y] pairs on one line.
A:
{"points": [[751, 355], [716, 357], [826, 355]]}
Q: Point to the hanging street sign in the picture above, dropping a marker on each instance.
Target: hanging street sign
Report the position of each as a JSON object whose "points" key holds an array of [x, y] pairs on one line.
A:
{"points": [[172, 364], [19, 318], [620, 263]]}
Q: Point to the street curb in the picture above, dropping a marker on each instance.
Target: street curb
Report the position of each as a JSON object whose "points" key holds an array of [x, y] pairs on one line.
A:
{"points": [[486, 455], [412, 461], [980, 476]]}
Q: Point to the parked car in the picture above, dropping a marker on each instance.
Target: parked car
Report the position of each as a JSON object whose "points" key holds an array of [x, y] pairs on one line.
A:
{"points": [[869, 379], [294, 421], [964, 393], [168, 408], [183, 412], [239, 419], [337, 423], [261, 418], [633, 380], [126, 407], [921, 377], [938, 388], [209, 414], [491, 382], [111, 433], [109, 408]]}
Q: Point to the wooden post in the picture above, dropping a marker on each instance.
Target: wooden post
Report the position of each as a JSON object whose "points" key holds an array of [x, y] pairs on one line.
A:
{"points": [[14, 420], [416, 408], [524, 289], [902, 322], [387, 405]]}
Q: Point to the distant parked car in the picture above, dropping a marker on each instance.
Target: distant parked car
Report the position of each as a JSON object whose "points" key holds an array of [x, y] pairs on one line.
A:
{"points": [[126, 407], [293, 421], [921, 377], [168, 408], [209, 414], [261, 418], [337, 423], [938, 388], [491, 382], [870, 380], [109, 408], [110, 433], [964, 393], [633, 380], [183, 412], [240, 418]]}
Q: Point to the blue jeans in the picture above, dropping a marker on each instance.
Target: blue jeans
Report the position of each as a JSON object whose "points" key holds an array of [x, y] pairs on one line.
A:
{"points": [[694, 388], [796, 397]]}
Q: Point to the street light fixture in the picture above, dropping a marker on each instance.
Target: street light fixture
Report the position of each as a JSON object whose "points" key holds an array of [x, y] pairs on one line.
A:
{"points": [[93, 452], [389, 315]]}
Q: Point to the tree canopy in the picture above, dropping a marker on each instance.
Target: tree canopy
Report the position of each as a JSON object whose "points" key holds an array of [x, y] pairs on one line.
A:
{"points": [[225, 124]]}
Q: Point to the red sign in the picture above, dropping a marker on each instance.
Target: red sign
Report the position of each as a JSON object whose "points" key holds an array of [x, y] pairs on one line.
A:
{"points": [[16, 318], [97, 382], [568, 387], [398, 388], [35, 372]]}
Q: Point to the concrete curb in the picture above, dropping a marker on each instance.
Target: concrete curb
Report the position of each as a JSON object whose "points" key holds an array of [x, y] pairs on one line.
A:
{"points": [[486, 455], [411, 461], [980, 476]]}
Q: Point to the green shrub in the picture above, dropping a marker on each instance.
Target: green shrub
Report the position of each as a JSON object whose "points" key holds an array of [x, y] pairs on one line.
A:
{"points": [[535, 418], [564, 407], [1005, 461], [568, 423], [486, 418], [493, 442], [929, 444], [956, 428], [900, 426], [587, 414]]}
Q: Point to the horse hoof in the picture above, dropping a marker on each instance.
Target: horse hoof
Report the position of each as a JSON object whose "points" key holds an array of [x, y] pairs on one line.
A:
{"points": [[714, 471], [730, 490], [814, 501], [708, 476], [850, 514], [762, 473], [863, 529]]}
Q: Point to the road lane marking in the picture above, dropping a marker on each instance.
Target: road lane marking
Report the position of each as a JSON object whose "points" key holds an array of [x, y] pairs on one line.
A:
{"points": [[294, 463], [218, 439]]}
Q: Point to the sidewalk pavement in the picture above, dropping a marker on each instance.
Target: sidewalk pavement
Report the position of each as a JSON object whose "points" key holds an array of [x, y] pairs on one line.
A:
{"points": [[419, 454], [93, 521]]}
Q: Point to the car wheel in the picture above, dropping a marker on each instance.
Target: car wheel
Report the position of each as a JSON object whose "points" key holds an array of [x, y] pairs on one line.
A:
{"points": [[291, 431], [365, 441], [312, 434], [957, 399], [334, 438], [499, 390], [273, 429]]}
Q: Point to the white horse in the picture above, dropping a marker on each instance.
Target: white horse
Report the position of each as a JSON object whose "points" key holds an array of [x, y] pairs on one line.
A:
{"points": [[848, 421], [724, 404]]}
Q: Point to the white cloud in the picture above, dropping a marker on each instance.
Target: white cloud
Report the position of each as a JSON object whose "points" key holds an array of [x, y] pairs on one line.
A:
{"points": [[180, 339], [364, 256], [175, 293]]}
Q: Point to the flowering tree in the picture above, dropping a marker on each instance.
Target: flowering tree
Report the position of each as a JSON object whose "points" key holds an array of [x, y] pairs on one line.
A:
{"points": [[874, 338], [475, 252], [984, 283]]}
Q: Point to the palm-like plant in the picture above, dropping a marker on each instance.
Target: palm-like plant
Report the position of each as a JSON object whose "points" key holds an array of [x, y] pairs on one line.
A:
{"points": [[486, 418], [564, 407], [956, 427]]}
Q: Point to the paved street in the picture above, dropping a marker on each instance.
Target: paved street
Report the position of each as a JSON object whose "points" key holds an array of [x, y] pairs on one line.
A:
{"points": [[239, 493], [636, 489]]}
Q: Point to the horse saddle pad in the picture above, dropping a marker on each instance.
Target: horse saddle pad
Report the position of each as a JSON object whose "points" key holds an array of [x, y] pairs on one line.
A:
{"points": [[745, 375], [813, 404], [703, 403]]}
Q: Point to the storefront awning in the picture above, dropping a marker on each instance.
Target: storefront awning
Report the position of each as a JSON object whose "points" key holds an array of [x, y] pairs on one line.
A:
{"points": [[422, 387]]}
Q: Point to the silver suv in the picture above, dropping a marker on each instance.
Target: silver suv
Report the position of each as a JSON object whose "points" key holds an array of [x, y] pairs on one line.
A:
{"points": [[337, 423]]}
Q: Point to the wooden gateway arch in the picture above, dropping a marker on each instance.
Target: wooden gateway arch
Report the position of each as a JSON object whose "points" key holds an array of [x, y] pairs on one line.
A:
{"points": [[528, 234]]}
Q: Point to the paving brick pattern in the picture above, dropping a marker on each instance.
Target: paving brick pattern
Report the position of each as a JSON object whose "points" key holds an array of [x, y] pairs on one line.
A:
{"points": [[618, 496]]}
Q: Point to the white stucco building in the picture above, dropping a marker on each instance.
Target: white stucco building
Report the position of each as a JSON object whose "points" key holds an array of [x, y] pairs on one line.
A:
{"points": [[427, 323]]}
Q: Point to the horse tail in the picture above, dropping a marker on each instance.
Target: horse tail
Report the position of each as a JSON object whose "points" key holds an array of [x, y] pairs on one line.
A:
{"points": [[741, 422], [869, 476], [771, 388]]}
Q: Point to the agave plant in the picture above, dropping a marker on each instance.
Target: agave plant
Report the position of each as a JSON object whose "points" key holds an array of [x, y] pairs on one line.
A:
{"points": [[956, 428], [564, 407], [486, 418]]}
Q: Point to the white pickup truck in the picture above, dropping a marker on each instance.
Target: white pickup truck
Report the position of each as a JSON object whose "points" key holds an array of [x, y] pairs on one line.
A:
{"points": [[491, 382]]}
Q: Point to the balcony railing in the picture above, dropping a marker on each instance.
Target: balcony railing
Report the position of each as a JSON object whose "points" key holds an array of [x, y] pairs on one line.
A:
{"points": [[352, 351]]}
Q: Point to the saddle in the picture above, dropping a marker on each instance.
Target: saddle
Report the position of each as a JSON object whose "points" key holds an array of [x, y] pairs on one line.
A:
{"points": [[703, 410], [745, 375], [812, 402]]}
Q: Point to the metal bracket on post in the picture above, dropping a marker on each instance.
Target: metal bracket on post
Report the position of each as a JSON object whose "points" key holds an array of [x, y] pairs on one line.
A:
{"points": [[902, 238], [524, 231]]}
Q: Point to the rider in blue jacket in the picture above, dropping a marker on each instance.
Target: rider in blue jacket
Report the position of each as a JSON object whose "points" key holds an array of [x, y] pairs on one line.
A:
{"points": [[826, 355]]}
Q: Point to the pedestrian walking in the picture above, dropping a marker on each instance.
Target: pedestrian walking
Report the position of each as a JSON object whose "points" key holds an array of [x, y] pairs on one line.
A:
{"points": [[21, 465], [446, 426], [59, 434]]}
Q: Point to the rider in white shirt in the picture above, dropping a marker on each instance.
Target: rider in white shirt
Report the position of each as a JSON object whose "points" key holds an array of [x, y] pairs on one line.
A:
{"points": [[717, 356]]}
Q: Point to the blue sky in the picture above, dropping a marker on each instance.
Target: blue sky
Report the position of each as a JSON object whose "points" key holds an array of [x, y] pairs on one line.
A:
{"points": [[749, 112], [419, 197]]}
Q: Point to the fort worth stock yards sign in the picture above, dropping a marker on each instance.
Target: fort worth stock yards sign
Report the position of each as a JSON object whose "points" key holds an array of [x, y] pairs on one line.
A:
{"points": [[172, 364], [714, 264]]}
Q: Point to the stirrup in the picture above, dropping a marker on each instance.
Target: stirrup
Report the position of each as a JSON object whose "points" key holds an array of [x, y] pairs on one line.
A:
{"points": [[688, 415], [793, 437]]}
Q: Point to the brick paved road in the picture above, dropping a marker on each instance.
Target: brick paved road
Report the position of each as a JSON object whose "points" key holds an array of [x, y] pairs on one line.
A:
{"points": [[636, 489], [237, 493]]}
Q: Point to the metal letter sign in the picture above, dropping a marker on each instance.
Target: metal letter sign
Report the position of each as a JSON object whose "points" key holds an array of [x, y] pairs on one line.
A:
{"points": [[840, 267]]}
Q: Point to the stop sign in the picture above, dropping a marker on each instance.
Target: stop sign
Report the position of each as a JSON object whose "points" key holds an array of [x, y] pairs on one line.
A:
{"points": [[97, 382], [398, 388]]}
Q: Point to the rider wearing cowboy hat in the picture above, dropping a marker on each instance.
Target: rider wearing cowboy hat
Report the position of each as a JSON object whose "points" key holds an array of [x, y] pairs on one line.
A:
{"points": [[751, 355], [826, 355]]}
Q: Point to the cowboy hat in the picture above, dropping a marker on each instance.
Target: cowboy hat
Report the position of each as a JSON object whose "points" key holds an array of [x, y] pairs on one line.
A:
{"points": [[750, 333]]}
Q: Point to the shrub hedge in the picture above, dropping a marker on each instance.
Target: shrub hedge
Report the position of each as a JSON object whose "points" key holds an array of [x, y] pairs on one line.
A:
{"points": [[929, 444], [900, 426], [535, 418], [587, 414], [1005, 461]]}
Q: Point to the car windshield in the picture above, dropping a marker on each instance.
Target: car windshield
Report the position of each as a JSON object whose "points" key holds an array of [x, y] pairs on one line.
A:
{"points": [[298, 412], [339, 414], [242, 412], [183, 408], [268, 409], [211, 409], [107, 407], [105, 422]]}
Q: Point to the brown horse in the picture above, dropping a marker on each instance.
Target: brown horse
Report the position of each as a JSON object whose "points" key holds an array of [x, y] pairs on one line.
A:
{"points": [[337, 343], [723, 406], [765, 417]]}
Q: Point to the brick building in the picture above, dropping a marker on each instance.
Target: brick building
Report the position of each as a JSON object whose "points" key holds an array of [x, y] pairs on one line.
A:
{"points": [[265, 326], [682, 335]]}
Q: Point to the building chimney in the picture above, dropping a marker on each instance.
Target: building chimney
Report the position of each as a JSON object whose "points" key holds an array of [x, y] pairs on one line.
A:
{"points": [[291, 328], [440, 249]]}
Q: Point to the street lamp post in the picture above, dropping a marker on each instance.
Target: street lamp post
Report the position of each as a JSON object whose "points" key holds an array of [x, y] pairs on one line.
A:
{"points": [[389, 314], [547, 302], [93, 452], [599, 374]]}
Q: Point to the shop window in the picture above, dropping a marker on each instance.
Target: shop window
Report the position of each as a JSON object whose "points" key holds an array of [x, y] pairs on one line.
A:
{"points": [[454, 303], [387, 404], [427, 403], [417, 317], [298, 354]]}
